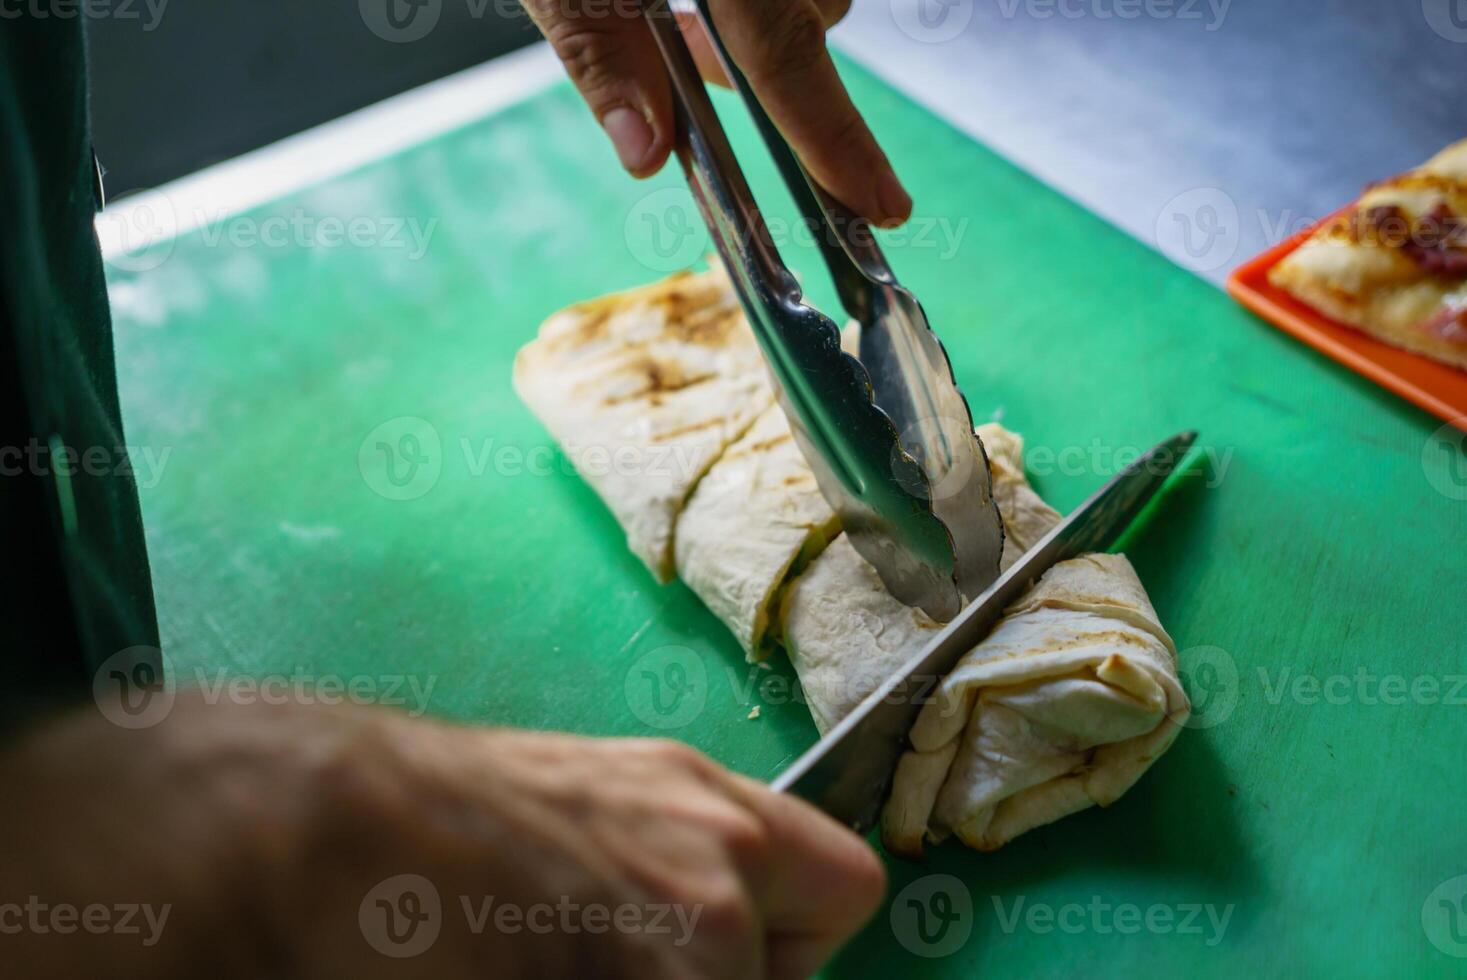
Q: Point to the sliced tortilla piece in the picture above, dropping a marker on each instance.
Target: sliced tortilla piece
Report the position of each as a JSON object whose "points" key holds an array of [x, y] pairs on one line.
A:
{"points": [[1066, 703], [756, 516], [1026, 517], [644, 390], [845, 633]]}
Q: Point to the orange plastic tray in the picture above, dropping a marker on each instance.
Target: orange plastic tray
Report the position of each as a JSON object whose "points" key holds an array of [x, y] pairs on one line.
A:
{"points": [[1439, 389]]}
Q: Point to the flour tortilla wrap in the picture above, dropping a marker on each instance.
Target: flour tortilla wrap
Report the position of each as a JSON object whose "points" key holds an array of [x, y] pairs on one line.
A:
{"points": [[756, 516], [644, 390], [1065, 704]]}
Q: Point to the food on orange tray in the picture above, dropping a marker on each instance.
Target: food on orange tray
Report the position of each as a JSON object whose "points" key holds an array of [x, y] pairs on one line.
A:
{"points": [[1395, 265]]}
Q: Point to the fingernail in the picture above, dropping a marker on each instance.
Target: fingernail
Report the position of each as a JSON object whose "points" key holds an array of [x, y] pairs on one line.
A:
{"points": [[630, 134], [895, 203]]}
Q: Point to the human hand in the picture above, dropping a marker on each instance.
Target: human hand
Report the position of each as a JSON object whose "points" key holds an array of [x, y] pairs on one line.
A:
{"points": [[779, 45], [270, 832]]}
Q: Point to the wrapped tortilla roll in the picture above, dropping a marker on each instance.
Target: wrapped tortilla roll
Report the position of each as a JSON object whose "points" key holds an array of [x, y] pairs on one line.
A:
{"points": [[755, 518], [1065, 704], [644, 390]]}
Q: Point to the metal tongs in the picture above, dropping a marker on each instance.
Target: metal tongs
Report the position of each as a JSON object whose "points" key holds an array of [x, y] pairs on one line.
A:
{"points": [[889, 436]]}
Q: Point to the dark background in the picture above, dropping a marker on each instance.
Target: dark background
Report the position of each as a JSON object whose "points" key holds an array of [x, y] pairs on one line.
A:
{"points": [[206, 81], [1289, 107]]}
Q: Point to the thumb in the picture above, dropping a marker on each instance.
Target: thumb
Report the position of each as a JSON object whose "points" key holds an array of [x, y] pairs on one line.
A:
{"points": [[611, 57]]}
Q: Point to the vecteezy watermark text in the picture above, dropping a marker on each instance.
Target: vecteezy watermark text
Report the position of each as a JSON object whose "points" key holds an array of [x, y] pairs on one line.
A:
{"points": [[404, 915], [569, 917], [144, 464], [1099, 458], [138, 234], [665, 233], [407, 691], [150, 12], [933, 917], [667, 687], [137, 687], [1214, 683], [41, 918], [1211, 13], [406, 21], [1362, 686], [938, 21], [301, 229], [1101, 917], [404, 457]]}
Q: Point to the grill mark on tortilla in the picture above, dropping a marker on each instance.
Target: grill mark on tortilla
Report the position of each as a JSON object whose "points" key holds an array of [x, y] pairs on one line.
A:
{"points": [[586, 331], [712, 327], [659, 378], [768, 444], [613, 344], [1107, 637], [683, 430], [759, 448], [696, 311]]}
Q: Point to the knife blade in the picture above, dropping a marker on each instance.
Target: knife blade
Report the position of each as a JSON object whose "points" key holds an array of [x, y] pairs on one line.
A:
{"points": [[848, 772]]}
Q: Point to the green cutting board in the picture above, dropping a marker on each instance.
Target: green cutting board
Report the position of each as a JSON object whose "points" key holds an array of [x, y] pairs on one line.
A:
{"points": [[275, 376]]}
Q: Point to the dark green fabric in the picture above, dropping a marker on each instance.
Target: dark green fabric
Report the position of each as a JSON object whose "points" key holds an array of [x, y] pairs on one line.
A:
{"points": [[79, 589]]}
